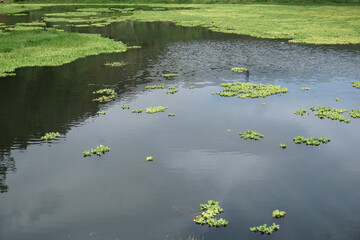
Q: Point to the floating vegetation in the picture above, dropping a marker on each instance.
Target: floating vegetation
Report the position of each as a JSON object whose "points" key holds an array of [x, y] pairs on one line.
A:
{"points": [[305, 89], [278, 214], [171, 114], [101, 113], [152, 110], [115, 64], [311, 140], [82, 25], [155, 87], [355, 113], [41, 24], [249, 90], [71, 14], [337, 99], [93, 10], [125, 106], [330, 113], [172, 90], [168, 75], [99, 150], [50, 135], [356, 84], [20, 14], [302, 112], [251, 135], [265, 229], [239, 70], [109, 95], [150, 158], [137, 111], [191, 87], [283, 146], [210, 210]]}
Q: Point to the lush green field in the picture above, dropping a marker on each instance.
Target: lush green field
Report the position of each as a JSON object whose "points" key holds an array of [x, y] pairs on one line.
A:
{"points": [[50, 48]]}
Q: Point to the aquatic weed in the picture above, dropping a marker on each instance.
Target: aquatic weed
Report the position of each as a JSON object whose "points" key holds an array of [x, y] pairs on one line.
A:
{"points": [[99, 150], [169, 75], [150, 158], [354, 113], [302, 112], [305, 89], [265, 229], [171, 114], [137, 111], [239, 70], [101, 113], [311, 140], [109, 95], [278, 214], [330, 113], [160, 86], [283, 146], [356, 84], [50, 135], [251, 135], [152, 109], [210, 210]]}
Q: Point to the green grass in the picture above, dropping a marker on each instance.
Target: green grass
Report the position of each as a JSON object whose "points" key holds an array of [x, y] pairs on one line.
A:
{"points": [[50, 48]]}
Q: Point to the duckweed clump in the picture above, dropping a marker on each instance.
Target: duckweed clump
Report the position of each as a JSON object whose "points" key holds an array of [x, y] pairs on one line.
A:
{"points": [[168, 75], [311, 140], [99, 150], [330, 113], [152, 110], [50, 135], [239, 70], [171, 114], [305, 89], [251, 135], [356, 84], [283, 146], [137, 111], [109, 95], [155, 86], [210, 210], [265, 229], [355, 113], [249, 90], [278, 214], [302, 112]]}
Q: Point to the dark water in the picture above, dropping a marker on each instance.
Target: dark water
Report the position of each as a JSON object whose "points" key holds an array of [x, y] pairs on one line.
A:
{"points": [[49, 191]]}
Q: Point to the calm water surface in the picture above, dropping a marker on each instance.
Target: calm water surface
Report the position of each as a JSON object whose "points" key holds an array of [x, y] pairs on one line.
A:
{"points": [[49, 191]]}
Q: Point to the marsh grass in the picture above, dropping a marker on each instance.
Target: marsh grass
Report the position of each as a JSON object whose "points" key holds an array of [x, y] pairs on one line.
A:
{"points": [[50, 48]]}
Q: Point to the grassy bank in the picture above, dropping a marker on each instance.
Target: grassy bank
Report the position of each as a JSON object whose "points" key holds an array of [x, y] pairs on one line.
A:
{"points": [[50, 48]]}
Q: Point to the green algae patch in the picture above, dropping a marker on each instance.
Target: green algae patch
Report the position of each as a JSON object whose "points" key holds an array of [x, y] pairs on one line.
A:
{"points": [[50, 48], [249, 90], [210, 210], [356, 84], [330, 113], [249, 134], [311, 140], [152, 110]]}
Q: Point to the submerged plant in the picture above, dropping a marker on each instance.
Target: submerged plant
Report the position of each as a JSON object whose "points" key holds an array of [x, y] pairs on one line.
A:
{"points": [[50, 135], [150, 158], [330, 113], [210, 210], [101, 113], [171, 114], [283, 146], [251, 135], [152, 110], [109, 95], [356, 84], [137, 111], [239, 70], [278, 214], [305, 89], [301, 112], [168, 75], [311, 140], [249, 90]]}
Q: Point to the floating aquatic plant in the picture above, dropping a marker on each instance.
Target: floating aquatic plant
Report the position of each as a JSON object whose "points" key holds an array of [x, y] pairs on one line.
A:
{"points": [[355, 113], [150, 158], [191, 87], [283, 146], [330, 113], [155, 86], [109, 95], [356, 84], [115, 64], [305, 88], [137, 111], [168, 75], [101, 113], [152, 110], [301, 112], [311, 140], [50, 135], [93, 10], [337, 99], [265, 229], [239, 70], [249, 90], [171, 114], [278, 214], [251, 135], [100, 149], [125, 106], [210, 210], [172, 90]]}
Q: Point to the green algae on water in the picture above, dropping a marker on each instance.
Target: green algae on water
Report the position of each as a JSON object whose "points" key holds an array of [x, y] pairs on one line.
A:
{"points": [[249, 90], [191, 87]]}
